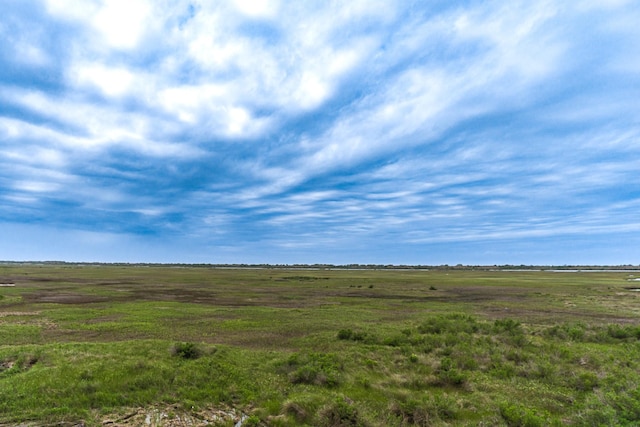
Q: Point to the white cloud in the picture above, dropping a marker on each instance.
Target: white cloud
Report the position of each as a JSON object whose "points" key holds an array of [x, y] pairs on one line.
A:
{"points": [[117, 24], [36, 186], [111, 81], [187, 102], [122, 23], [258, 8], [72, 9], [26, 51]]}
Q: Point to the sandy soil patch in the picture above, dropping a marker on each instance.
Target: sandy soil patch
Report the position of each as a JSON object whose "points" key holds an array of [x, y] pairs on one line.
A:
{"points": [[19, 313], [174, 416]]}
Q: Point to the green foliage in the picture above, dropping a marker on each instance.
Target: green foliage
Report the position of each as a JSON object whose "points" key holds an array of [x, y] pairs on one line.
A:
{"points": [[426, 411], [623, 332], [340, 413], [186, 350], [412, 413], [345, 334], [314, 368], [509, 326], [452, 323], [252, 421], [448, 374], [627, 405], [519, 416], [299, 411], [358, 336], [585, 381]]}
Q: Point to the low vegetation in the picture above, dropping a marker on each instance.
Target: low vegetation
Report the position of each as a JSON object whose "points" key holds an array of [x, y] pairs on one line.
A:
{"points": [[103, 344]]}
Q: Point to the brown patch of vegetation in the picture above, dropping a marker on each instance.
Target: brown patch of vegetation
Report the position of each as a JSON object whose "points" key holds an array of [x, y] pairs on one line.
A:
{"points": [[62, 298]]}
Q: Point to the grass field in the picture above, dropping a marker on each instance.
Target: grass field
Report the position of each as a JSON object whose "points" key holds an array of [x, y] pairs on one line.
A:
{"points": [[158, 345]]}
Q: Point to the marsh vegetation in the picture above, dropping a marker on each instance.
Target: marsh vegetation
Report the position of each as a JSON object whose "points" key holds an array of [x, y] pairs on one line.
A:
{"points": [[103, 344]]}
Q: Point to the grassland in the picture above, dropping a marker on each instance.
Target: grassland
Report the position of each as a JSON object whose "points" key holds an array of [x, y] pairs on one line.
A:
{"points": [[104, 345]]}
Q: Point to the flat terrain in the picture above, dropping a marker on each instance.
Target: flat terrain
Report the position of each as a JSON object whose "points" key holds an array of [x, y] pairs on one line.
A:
{"points": [[159, 345]]}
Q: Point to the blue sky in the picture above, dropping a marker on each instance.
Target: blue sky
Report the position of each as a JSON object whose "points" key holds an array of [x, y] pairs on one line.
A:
{"points": [[251, 131]]}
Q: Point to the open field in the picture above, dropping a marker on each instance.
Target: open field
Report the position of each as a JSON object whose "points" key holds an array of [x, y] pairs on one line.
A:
{"points": [[136, 345]]}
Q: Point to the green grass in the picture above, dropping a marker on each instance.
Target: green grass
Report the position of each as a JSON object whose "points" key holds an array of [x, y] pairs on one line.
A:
{"points": [[320, 347]]}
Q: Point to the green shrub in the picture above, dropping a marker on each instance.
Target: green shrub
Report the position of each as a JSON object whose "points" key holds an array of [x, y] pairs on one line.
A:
{"points": [[345, 334], [448, 374], [340, 413], [623, 332], [451, 323], [251, 421], [577, 332], [509, 326], [466, 362], [350, 335], [298, 410], [411, 413], [314, 369], [503, 371], [186, 350], [574, 332], [445, 407], [519, 416], [397, 340], [516, 356], [585, 381], [627, 405], [425, 412]]}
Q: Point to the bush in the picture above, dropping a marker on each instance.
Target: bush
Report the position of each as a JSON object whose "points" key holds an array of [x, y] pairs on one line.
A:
{"points": [[519, 416], [448, 374], [339, 413], [627, 405], [452, 323], [251, 421], [345, 334], [186, 350], [350, 335], [425, 412], [586, 381], [411, 412], [509, 326], [314, 369], [623, 332], [297, 411], [397, 340]]}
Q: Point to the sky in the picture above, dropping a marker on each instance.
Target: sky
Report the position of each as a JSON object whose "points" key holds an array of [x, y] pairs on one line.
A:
{"points": [[372, 132]]}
